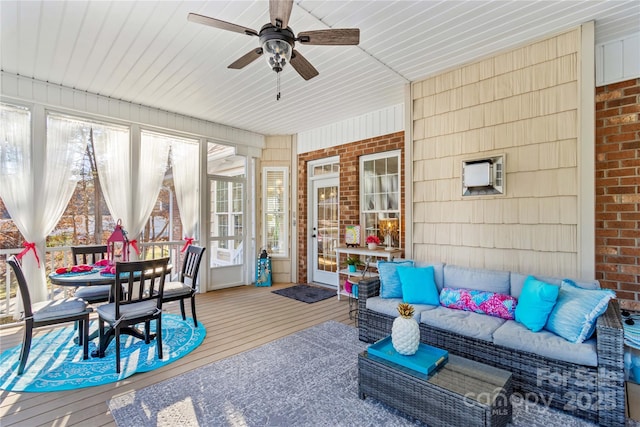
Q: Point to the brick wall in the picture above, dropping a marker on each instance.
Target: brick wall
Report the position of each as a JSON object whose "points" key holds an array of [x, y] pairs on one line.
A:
{"points": [[349, 185], [617, 189]]}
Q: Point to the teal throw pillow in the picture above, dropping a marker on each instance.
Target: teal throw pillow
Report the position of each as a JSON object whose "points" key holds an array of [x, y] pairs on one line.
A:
{"points": [[577, 310], [390, 286], [536, 302], [418, 285]]}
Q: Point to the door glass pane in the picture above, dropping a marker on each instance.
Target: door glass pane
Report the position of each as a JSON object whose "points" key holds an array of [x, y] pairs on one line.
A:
{"points": [[226, 221], [328, 233]]}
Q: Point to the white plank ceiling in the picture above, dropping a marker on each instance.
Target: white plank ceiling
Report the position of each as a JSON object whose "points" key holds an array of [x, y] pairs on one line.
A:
{"points": [[146, 52]]}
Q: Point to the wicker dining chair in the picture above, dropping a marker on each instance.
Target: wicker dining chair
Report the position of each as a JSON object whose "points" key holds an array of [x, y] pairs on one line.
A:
{"points": [[138, 299], [185, 287], [47, 313], [91, 255]]}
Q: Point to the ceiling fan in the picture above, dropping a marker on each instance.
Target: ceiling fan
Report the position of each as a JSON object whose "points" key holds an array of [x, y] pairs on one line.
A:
{"points": [[277, 40]]}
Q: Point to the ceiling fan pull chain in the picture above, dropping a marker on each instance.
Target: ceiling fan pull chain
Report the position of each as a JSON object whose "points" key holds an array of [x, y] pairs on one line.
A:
{"points": [[278, 86]]}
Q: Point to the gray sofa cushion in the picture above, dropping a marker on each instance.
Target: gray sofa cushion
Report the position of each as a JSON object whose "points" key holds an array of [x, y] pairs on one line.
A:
{"points": [[517, 282], [438, 272], [389, 306], [465, 323], [544, 343], [480, 279]]}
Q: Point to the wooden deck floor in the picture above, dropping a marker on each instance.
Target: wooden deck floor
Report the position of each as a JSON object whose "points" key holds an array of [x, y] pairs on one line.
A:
{"points": [[236, 319]]}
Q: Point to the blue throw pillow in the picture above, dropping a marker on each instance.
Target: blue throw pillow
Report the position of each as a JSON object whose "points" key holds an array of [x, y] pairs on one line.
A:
{"points": [[575, 314], [418, 285], [390, 286], [535, 304]]}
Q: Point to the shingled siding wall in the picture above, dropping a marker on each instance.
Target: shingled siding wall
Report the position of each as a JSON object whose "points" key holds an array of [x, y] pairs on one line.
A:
{"points": [[349, 186], [618, 189], [524, 104]]}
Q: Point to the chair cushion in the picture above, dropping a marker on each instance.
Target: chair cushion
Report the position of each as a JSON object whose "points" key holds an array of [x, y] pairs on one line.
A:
{"points": [[418, 285], [465, 323], [46, 310], [172, 289], [389, 306], [128, 311], [89, 293], [537, 299], [482, 302], [544, 343], [576, 311], [518, 280], [474, 278], [390, 285], [438, 272]]}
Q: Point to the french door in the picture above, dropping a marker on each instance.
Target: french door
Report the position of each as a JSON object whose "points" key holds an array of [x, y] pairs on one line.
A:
{"points": [[227, 248], [325, 234]]}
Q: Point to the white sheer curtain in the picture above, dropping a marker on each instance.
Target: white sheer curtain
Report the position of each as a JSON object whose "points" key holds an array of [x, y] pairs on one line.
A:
{"points": [[154, 154], [130, 193], [113, 159], [186, 174], [36, 189]]}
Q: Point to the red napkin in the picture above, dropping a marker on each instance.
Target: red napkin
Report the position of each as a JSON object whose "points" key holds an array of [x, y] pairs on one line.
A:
{"points": [[102, 263], [108, 270], [74, 269]]}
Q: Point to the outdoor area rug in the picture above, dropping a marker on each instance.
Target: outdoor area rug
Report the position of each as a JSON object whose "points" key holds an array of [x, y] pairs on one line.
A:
{"points": [[306, 293], [305, 379], [55, 361]]}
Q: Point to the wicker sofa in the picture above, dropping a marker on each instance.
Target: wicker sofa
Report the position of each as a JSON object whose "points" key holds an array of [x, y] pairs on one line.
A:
{"points": [[590, 387]]}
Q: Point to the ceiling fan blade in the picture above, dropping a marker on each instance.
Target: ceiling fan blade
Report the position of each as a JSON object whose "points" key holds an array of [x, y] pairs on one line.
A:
{"points": [[223, 25], [280, 12], [302, 66], [334, 36], [246, 59]]}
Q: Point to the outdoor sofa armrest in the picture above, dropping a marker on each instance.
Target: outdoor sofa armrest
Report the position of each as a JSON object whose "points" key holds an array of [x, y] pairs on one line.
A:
{"points": [[610, 349], [368, 288]]}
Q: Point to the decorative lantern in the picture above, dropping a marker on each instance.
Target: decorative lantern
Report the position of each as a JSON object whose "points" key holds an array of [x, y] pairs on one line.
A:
{"points": [[388, 228], [118, 245]]}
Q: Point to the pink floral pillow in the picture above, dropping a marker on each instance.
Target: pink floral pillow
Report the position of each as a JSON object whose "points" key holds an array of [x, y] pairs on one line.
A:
{"points": [[490, 303]]}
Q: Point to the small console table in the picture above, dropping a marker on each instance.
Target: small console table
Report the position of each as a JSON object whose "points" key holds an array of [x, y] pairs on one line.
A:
{"points": [[372, 254]]}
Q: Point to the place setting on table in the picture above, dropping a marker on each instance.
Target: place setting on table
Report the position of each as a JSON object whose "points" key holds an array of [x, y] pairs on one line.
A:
{"points": [[101, 273]]}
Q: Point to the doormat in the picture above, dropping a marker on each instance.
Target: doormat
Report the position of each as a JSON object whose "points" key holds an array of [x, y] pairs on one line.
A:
{"points": [[306, 293]]}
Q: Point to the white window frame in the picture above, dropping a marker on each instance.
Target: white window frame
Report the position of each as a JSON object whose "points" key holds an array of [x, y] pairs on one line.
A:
{"points": [[283, 205], [229, 214], [381, 213]]}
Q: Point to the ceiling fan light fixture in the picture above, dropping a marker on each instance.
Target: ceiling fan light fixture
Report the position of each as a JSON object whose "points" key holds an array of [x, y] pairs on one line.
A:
{"points": [[277, 52]]}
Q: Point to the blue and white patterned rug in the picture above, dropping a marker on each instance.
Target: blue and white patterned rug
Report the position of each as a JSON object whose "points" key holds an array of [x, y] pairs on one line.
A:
{"points": [[55, 362], [305, 379]]}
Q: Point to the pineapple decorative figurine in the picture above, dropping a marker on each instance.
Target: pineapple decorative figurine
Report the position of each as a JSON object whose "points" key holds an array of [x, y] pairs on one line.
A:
{"points": [[405, 333]]}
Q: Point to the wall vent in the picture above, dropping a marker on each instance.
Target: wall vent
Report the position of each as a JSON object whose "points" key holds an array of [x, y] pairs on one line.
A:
{"points": [[483, 176]]}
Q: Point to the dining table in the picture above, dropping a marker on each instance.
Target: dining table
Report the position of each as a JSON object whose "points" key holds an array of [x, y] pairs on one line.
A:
{"points": [[96, 277]]}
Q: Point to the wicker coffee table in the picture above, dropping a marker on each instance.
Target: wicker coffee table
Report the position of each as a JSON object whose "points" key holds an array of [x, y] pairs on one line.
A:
{"points": [[461, 393]]}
